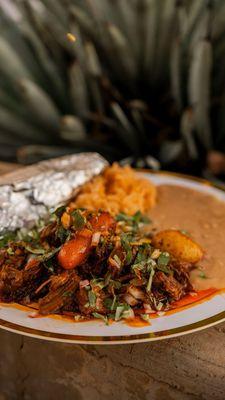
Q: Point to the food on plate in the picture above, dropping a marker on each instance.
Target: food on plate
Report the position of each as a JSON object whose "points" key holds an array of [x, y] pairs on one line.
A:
{"points": [[117, 189], [100, 256], [92, 264]]}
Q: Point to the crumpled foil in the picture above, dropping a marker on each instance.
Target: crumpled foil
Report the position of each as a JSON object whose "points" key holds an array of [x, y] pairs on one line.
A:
{"points": [[28, 194]]}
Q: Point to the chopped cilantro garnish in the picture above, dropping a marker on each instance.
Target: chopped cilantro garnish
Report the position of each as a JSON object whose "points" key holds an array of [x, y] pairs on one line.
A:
{"points": [[91, 298], [37, 250], [8, 237], [63, 234], [133, 221], [59, 211], [114, 304], [139, 266], [149, 284], [48, 255], [145, 317], [115, 284], [164, 269], [144, 252], [100, 316], [127, 247], [49, 265], [78, 219], [162, 263], [163, 259], [123, 311], [98, 282], [140, 218], [123, 217], [107, 278], [119, 312], [108, 303]]}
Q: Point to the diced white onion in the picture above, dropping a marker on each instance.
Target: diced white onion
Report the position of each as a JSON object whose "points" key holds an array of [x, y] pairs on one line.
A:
{"points": [[84, 283], [161, 313], [95, 239], [33, 314], [136, 292], [148, 309], [127, 314]]}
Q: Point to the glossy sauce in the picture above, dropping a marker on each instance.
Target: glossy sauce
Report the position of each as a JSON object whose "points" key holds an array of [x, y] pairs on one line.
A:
{"points": [[186, 302], [202, 216], [136, 322]]}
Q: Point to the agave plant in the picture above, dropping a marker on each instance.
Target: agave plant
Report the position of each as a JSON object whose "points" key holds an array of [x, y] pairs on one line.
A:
{"points": [[144, 77]]}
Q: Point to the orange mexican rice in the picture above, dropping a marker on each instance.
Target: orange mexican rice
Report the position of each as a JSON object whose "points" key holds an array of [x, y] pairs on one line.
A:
{"points": [[118, 189]]}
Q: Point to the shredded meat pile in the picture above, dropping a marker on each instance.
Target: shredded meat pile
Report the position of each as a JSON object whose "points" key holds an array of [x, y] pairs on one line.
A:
{"points": [[92, 265]]}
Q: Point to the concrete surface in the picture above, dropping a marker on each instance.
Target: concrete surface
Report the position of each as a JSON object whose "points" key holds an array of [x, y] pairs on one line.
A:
{"points": [[186, 368]]}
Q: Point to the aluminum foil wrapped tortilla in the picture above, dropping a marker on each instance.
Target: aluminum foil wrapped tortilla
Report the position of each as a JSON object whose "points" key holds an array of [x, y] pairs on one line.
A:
{"points": [[28, 194]]}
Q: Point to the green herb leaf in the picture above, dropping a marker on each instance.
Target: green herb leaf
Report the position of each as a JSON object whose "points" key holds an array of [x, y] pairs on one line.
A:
{"points": [[49, 254], [98, 282], [137, 218], [91, 298], [5, 239], [139, 266], [127, 247], [63, 234], [49, 265], [108, 303], [123, 217], [107, 278], [114, 304], [59, 211], [145, 265], [78, 219], [119, 312], [145, 317], [140, 218], [128, 313], [163, 259], [100, 316], [38, 250], [164, 269], [144, 252], [115, 284], [149, 284]]}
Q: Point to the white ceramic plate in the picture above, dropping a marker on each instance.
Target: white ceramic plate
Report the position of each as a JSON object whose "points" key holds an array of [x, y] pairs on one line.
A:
{"points": [[194, 318]]}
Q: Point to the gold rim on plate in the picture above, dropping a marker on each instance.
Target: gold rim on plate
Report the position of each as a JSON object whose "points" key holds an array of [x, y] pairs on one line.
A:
{"points": [[144, 337]]}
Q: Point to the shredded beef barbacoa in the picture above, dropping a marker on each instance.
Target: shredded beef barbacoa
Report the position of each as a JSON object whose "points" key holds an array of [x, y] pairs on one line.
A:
{"points": [[91, 265]]}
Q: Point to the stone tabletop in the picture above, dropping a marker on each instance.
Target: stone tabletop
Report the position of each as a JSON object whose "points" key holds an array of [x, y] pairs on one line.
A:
{"points": [[185, 368], [190, 367]]}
